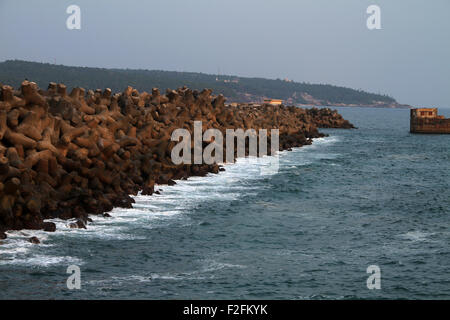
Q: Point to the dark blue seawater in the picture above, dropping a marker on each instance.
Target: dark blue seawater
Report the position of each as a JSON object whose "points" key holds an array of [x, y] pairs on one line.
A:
{"points": [[373, 196]]}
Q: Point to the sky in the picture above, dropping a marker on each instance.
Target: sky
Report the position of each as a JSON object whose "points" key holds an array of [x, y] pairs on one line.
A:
{"points": [[316, 41]]}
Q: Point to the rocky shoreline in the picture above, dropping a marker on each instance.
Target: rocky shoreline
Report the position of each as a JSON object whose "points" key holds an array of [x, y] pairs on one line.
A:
{"points": [[67, 155]]}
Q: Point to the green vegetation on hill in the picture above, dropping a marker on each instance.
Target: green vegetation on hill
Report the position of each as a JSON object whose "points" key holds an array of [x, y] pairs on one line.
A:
{"points": [[239, 89]]}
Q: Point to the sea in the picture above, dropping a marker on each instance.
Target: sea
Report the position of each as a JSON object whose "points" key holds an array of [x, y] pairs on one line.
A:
{"points": [[372, 198]]}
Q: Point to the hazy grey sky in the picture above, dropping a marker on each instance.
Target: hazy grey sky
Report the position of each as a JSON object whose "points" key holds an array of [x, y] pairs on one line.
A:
{"points": [[318, 41]]}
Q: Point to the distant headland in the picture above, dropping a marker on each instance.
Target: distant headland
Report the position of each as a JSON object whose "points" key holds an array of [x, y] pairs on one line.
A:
{"points": [[235, 89]]}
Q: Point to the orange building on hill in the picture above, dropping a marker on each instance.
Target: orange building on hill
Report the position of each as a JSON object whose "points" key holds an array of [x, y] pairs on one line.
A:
{"points": [[275, 102]]}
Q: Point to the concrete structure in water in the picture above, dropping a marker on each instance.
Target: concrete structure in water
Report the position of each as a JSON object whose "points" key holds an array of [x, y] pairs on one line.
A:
{"points": [[427, 120]]}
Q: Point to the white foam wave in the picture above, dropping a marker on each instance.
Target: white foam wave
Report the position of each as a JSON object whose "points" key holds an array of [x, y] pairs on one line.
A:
{"points": [[42, 261], [157, 210], [206, 271], [416, 236]]}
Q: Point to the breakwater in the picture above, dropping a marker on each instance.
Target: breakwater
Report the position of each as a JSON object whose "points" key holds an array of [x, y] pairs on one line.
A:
{"points": [[68, 155]]}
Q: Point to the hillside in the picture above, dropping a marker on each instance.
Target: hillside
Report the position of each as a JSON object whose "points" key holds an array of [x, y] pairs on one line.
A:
{"points": [[235, 89]]}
